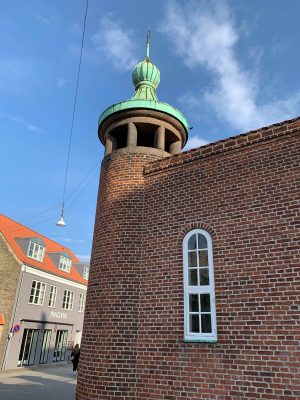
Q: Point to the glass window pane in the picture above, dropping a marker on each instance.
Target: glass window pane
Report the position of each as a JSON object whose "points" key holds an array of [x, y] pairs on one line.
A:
{"points": [[194, 323], [204, 276], [41, 250], [33, 346], [203, 258], [202, 242], [194, 302], [35, 252], [27, 346], [205, 323], [193, 277], [192, 243], [205, 302], [192, 259]]}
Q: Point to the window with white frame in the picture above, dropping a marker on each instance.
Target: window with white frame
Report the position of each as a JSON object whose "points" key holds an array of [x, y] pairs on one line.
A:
{"points": [[36, 251], [68, 300], [86, 271], [53, 295], [65, 264], [37, 293], [81, 305], [199, 292]]}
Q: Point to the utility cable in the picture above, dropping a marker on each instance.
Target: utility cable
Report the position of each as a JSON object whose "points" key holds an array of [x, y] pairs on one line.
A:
{"points": [[68, 198], [74, 109]]}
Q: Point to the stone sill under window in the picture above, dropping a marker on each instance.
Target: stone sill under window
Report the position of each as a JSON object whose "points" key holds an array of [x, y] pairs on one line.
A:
{"points": [[200, 340]]}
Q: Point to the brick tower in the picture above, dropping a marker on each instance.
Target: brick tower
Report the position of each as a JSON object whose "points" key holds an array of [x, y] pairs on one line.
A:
{"points": [[134, 133]]}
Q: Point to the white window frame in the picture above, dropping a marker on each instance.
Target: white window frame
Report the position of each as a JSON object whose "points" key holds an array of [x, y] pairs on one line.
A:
{"points": [[37, 292], [68, 300], [53, 296], [36, 251], [198, 289], [65, 264], [86, 272], [81, 305]]}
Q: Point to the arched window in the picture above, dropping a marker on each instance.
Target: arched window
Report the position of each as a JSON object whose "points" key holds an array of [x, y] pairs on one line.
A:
{"points": [[199, 291]]}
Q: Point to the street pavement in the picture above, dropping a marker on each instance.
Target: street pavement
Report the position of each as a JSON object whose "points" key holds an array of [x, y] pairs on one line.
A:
{"points": [[43, 383]]}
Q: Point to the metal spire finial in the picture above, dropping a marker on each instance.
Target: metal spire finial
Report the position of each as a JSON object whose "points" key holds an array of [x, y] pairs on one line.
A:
{"points": [[148, 45]]}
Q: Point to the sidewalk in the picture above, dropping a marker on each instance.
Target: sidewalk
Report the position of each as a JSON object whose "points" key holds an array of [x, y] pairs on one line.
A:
{"points": [[53, 382]]}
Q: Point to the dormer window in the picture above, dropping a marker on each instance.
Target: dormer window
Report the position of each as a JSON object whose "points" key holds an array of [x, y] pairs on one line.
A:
{"points": [[36, 250], [86, 271], [65, 263]]}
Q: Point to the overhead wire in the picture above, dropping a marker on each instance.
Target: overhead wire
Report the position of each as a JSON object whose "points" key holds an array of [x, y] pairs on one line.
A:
{"points": [[79, 194], [87, 178], [64, 199], [74, 109], [68, 198]]}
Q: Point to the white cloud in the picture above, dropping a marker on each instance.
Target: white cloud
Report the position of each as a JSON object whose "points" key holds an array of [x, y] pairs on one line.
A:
{"points": [[116, 43], [44, 20], [61, 82], [84, 258], [21, 121], [69, 240], [190, 99], [204, 36], [195, 141], [32, 128]]}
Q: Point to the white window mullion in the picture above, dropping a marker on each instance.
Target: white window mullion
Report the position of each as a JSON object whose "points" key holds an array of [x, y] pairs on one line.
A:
{"points": [[36, 251], [37, 293], [68, 300], [204, 320]]}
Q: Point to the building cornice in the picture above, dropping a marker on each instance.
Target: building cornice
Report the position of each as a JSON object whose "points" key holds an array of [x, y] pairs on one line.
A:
{"points": [[235, 143], [46, 275]]}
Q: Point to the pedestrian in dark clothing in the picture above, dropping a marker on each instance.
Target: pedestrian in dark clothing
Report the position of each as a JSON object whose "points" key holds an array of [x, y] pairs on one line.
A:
{"points": [[75, 357]]}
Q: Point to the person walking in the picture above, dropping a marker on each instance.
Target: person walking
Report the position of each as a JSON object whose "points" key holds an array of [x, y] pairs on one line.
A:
{"points": [[75, 354]]}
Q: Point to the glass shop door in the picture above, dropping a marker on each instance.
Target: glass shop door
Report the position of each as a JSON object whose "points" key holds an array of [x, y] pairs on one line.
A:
{"points": [[60, 345], [28, 347], [45, 346]]}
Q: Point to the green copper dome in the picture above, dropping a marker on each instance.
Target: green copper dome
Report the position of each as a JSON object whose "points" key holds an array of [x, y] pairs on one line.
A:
{"points": [[146, 78]]}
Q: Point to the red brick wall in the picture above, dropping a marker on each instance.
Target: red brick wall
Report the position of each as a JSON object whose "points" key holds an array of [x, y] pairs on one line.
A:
{"points": [[248, 198], [108, 348], [245, 192]]}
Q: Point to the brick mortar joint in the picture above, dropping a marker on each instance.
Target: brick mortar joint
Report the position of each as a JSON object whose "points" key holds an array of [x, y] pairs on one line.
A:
{"points": [[177, 160]]}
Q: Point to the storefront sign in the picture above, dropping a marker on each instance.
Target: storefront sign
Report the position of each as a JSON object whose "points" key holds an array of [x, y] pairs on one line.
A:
{"points": [[59, 315]]}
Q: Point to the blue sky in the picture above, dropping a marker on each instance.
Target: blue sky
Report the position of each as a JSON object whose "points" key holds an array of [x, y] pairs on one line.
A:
{"points": [[229, 66]]}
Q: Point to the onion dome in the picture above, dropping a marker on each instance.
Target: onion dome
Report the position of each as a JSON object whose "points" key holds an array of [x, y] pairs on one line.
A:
{"points": [[145, 77]]}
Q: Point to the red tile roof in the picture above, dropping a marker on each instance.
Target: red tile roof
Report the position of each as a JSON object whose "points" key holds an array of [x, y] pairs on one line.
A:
{"points": [[12, 230]]}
